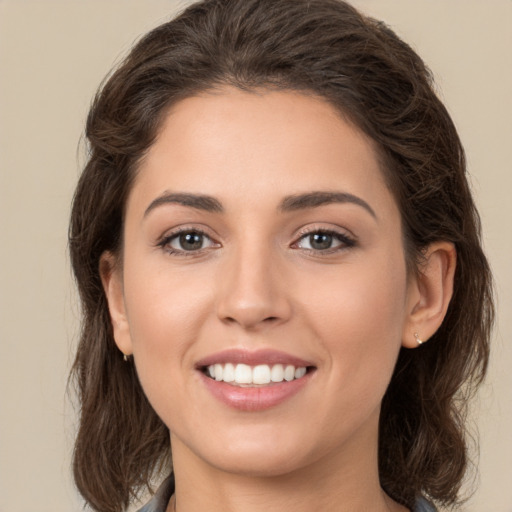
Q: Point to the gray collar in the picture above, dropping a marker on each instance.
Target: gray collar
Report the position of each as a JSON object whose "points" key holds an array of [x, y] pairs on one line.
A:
{"points": [[162, 496]]}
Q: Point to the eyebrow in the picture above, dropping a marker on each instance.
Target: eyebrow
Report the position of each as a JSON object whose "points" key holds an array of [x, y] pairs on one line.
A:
{"points": [[316, 199], [197, 201], [289, 204]]}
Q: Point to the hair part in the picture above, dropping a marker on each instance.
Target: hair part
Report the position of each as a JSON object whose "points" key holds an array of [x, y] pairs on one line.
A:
{"points": [[358, 65]]}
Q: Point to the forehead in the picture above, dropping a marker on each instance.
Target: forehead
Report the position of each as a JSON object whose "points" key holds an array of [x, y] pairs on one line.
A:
{"points": [[261, 144]]}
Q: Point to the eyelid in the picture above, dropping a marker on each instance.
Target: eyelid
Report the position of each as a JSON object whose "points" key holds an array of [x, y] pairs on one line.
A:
{"points": [[346, 238], [343, 235], [309, 229], [164, 241]]}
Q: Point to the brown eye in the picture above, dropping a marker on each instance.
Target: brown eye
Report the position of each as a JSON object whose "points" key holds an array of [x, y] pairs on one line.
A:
{"points": [[321, 241], [191, 241], [324, 241], [188, 241]]}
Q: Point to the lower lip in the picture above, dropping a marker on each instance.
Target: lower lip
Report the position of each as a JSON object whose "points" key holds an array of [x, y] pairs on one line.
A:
{"points": [[254, 398]]}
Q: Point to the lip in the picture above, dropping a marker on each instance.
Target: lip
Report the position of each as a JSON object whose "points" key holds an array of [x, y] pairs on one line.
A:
{"points": [[253, 398], [252, 358]]}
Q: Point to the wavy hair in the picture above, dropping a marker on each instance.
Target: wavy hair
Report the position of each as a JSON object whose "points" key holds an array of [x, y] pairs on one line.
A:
{"points": [[358, 65]]}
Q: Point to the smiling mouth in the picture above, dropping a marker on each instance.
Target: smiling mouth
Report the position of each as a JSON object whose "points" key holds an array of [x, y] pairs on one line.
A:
{"points": [[244, 375]]}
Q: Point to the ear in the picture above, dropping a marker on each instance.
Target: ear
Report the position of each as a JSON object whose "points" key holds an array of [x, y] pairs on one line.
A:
{"points": [[429, 294], [112, 280]]}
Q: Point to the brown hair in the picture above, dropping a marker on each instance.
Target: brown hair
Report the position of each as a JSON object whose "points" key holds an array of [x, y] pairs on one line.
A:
{"points": [[321, 47]]}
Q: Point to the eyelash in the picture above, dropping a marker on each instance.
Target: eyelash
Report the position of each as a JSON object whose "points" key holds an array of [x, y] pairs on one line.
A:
{"points": [[165, 242], [346, 242]]}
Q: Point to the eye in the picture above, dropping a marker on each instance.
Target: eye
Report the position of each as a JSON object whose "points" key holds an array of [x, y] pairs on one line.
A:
{"points": [[187, 241], [324, 240]]}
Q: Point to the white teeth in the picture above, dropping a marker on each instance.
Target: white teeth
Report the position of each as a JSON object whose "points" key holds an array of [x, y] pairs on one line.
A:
{"points": [[260, 374], [243, 374], [289, 373], [300, 372], [218, 371], [229, 373], [277, 373]]}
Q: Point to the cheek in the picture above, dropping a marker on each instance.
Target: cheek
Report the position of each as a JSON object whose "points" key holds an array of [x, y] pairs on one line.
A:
{"points": [[166, 311], [358, 317], [164, 318]]}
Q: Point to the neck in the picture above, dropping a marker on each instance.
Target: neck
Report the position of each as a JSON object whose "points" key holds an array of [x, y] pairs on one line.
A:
{"points": [[337, 482]]}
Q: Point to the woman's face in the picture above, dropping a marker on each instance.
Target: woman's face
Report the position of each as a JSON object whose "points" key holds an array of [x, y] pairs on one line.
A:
{"points": [[262, 244]]}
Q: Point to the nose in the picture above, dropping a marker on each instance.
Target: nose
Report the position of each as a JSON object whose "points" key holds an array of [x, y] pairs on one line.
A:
{"points": [[253, 291]]}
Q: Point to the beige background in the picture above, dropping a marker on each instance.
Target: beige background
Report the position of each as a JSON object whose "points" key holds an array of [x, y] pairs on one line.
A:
{"points": [[53, 54]]}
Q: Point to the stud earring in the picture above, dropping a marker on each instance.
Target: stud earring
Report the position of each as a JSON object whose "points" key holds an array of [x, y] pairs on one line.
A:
{"points": [[125, 358], [418, 341]]}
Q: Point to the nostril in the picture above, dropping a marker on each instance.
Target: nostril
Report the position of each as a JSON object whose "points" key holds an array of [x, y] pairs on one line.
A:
{"points": [[251, 313], [230, 319]]}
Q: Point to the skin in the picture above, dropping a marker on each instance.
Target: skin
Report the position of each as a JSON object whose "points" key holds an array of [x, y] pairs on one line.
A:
{"points": [[258, 283]]}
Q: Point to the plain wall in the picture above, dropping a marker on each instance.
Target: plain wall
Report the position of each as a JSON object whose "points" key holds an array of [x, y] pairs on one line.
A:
{"points": [[53, 55]]}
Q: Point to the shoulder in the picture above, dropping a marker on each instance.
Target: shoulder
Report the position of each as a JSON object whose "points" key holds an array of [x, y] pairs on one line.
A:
{"points": [[161, 498], [423, 505], [159, 501]]}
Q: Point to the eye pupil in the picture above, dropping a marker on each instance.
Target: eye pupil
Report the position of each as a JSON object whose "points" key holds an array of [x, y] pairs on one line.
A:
{"points": [[191, 241], [320, 241]]}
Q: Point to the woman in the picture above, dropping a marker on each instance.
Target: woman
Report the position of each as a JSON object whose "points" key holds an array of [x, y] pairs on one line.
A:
{"points": [[273, 221]]}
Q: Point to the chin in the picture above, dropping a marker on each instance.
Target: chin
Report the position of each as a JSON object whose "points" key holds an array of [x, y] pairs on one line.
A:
{"points": [[263, 453], [258, 464]]}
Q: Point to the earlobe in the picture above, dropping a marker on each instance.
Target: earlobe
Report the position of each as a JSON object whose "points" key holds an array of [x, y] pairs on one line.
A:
{"points": [[429, 294], [112, 280]]}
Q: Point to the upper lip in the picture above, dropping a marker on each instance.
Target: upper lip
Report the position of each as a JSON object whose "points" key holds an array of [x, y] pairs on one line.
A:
{"points": [[252, 358]]}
